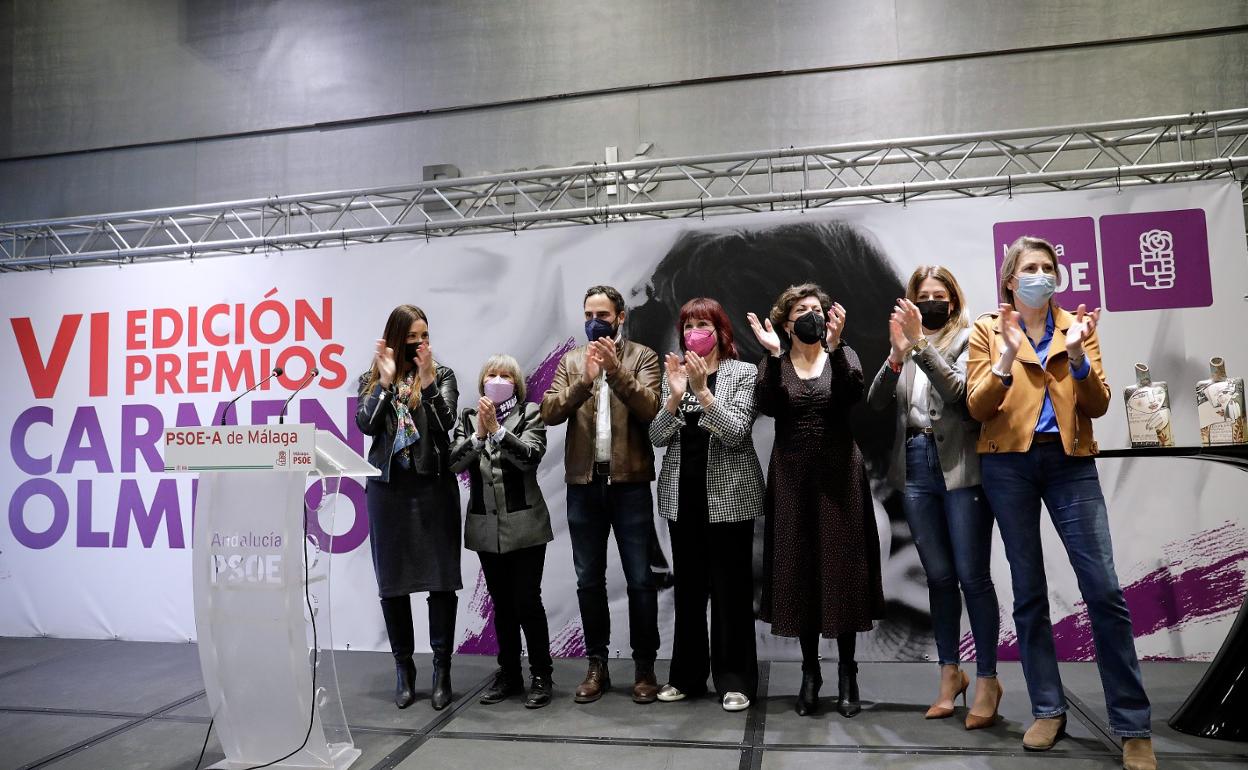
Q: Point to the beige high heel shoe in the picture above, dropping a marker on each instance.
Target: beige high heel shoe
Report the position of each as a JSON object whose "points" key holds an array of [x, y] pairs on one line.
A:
{"points": [[979, 721], [944, 712]]}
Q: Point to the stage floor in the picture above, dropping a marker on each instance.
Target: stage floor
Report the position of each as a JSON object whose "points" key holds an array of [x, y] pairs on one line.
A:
{"points": [[67, 703]]}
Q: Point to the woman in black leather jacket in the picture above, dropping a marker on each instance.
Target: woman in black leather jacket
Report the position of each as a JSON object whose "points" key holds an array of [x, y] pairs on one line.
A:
{"points": [[407, 404]]}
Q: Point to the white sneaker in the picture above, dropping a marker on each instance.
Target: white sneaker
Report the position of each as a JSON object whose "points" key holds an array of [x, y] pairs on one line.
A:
{"points": [[735, 701], [669, 694]]}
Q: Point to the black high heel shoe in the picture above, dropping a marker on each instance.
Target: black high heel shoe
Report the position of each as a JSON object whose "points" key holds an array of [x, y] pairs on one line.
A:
{"points": [[847, 702], [404, 683], [808, 695]]}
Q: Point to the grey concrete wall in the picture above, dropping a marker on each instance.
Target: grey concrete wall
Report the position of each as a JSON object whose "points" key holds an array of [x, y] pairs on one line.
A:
{"points": [[130, 104]]}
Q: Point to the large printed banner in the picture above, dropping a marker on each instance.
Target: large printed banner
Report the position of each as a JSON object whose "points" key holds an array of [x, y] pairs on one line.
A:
{"points": [[98, 362]]}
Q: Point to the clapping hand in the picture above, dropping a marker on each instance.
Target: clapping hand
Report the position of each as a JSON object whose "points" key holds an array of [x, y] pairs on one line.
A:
{"points": [[677, 381], [835, 324], [1080, 330], [698, 371], [487, 418], [1012, 335], [911, 320], [765, 335], [424, 364], [383, 360], [897, 338], [677, 377], [608, 358], [593, 364]]}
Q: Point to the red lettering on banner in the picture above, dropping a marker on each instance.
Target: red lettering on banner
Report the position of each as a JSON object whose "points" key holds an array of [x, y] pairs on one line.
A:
{"points": [[45, 376], [138, 368], [230, 376], [211, 337], [135, 329], [98, 379], [197, 371], [160, 337], [168, 365], [333, 373], [305, 318]]}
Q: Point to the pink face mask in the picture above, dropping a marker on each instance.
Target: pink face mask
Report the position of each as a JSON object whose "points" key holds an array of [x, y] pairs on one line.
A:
{"points": [[700, 341], [499, 390]]}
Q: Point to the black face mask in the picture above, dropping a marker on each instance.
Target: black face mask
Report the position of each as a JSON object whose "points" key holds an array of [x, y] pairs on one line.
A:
{"points": [[809, 327], [409, 351], [935, 313]]}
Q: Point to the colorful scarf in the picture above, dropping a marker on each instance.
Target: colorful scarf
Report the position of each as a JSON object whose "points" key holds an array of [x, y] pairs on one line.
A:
{"points": [[405, 432]]}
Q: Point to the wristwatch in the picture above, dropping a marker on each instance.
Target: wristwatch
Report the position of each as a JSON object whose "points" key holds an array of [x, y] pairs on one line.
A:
{"points": [[919, 346]]}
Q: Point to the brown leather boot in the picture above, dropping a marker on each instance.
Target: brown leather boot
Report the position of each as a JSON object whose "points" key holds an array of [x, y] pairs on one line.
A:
{"points": [[645, 686], [1137, 754], [1044, 732], [597, 681]]}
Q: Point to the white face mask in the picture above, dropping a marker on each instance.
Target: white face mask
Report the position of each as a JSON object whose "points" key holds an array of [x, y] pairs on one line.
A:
{"points": [[1036, 289]]}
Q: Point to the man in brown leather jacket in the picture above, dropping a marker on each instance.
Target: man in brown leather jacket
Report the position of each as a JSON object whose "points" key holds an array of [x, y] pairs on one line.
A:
{"points": [[608, 392]]}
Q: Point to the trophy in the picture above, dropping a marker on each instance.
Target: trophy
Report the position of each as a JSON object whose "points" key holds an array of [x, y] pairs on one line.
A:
{"points": [[1220, 406], [1148, 411]]}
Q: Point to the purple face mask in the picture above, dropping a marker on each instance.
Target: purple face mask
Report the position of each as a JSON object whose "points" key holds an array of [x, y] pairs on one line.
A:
{"points": [[700, 341], [499, 390]]}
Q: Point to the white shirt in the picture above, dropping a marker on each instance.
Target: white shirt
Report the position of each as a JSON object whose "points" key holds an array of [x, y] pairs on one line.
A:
{"points": [[602, 421], [920, 387], [917, 417], [602, 424]]}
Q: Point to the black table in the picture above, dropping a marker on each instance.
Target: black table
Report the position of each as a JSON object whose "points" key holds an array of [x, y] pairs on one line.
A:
{"points": [[1218, 707]]}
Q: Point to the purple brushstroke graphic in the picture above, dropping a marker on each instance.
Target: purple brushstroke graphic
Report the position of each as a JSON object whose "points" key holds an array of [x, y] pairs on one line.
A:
{"points": [[538, 381], [484, 639], [569, 642], [1169, 597]]}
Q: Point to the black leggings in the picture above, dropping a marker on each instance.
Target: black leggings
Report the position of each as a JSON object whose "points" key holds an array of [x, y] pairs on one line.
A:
{"points": [[845, 645]]}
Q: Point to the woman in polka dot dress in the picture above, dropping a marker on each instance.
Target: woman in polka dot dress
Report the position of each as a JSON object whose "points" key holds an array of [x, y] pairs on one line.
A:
{"points": [[821, 548]]}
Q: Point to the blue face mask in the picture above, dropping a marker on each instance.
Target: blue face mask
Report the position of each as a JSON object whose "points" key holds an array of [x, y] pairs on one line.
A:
{"points": [[596, 328], [1035, 289]]}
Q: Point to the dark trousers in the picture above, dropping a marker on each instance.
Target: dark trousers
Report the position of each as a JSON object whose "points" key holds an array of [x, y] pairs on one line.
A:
{"points": [[713, 561], [397, 611], [594, 511], [515, 583]]}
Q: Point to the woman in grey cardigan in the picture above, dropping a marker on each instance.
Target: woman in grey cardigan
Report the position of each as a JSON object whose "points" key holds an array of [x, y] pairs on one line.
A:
{"points": [[710, 491], [936, 466], [500, 443]]}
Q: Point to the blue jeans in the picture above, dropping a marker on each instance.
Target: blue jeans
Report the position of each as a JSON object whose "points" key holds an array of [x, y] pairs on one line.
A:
{"points": [[953, 533], [594, 510], [1016, 483]]}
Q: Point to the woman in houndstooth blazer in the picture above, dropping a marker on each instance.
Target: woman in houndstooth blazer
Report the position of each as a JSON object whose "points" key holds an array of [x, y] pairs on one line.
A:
{"points": [[710, 491]]}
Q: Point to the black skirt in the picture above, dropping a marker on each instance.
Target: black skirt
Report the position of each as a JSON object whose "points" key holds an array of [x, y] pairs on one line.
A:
{"points": [[415, 530]]}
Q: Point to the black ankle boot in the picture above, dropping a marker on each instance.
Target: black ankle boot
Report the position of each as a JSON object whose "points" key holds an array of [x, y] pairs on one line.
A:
{"points": [[540, 688], [404, 683], [808, 695], [441, 697], [847, 689], [506, 684]]}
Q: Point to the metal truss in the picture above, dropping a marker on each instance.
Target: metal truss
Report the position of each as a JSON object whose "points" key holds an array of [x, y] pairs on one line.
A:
{"points": [[1120, 153]]}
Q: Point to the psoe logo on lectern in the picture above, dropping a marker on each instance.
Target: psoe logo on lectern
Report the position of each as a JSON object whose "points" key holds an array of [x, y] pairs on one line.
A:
{"points": [[246, 568]]}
